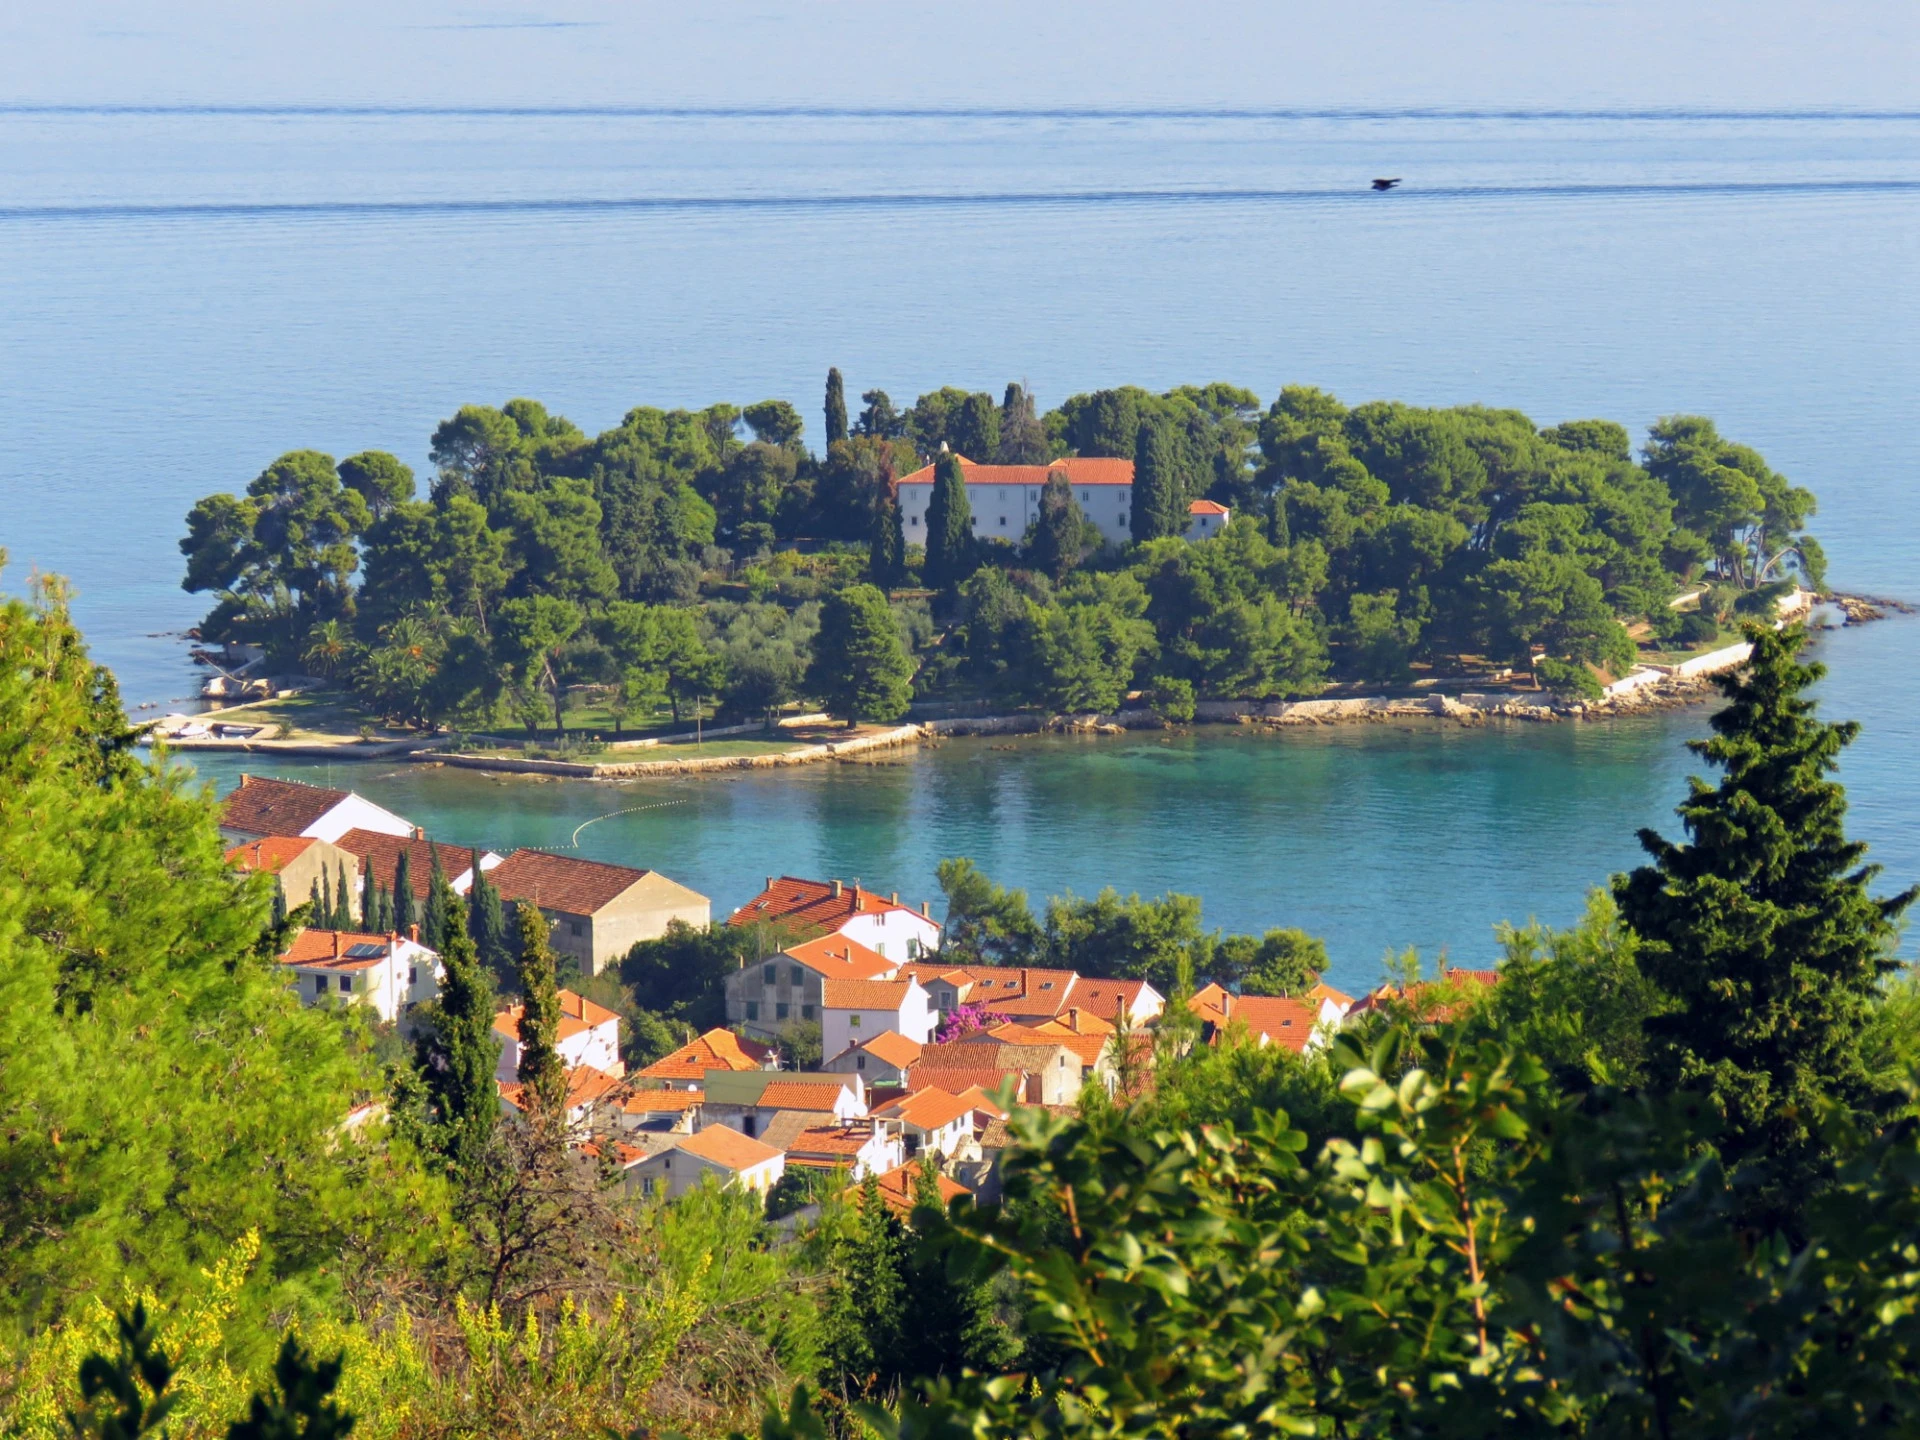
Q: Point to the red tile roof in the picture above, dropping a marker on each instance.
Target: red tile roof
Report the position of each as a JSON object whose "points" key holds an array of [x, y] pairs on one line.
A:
{"points": [[956, 1078], [813, 903], [1079, 470], [804, 1141], [799, 1095], [585, 1084], [838, 958], [927, 1108], [661, 1101], [1323, 991], [382, 853], [898, 1185], [331, 949], [891, 1046], [562, 882], [1207, 507], [577, 1013], [1421, 997], [715, 1050], [276, 807], [1284, 1021], [1021, 991], [1105, 997], [863, 994], [728, 1148], [272, 854]]}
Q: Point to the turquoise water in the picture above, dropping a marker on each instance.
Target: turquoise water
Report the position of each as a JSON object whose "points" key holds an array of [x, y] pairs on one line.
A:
{"points": [[193, 289]]}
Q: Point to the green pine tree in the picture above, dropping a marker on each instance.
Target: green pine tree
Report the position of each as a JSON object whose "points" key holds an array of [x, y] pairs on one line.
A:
{"points": [[887, 549], [1279, 533], [343, 901], [860, 669], [1159, 498], [404, 915], [1059, 535], [950, 543], [836, 407], [540, 1068], [457, 1052], [1762, 931], [864, 1314], [433, 922], [486, 922]]}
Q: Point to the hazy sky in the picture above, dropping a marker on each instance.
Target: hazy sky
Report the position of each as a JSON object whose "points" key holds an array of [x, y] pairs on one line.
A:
{"points": [[1020, 53]]}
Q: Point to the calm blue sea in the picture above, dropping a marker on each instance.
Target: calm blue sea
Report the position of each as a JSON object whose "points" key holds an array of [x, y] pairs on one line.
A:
{"points": [[188, 291]]}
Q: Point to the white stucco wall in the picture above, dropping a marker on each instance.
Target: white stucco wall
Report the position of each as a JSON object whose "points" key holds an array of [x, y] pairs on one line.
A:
{"points": [[914, 1019], [355, 813], [887, 933], [1107, 506]]}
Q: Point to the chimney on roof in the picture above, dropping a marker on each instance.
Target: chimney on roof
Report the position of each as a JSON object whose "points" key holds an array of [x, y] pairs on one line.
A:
{"points": [[837, 888], [926, 908], [336, 944], [413, 933], [896, 897], [769, 882], [945, 449], [418, 833]]}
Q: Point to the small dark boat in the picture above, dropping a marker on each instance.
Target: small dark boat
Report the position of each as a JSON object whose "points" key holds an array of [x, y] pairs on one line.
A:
{"points": [[1386, 184]]}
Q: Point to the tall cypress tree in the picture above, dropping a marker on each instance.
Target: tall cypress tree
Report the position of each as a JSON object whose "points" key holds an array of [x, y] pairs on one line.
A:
{"points": [[485, 922], [383, 913], [433, 923], [1057, 535], [1763, 932], [1279, 532], [949, 526], [279, 902], [369, 898], [1158, 496], [322, 917], [887, 550], [457, 1051], [864, 1316], [836, 407], [540, 1068], [1023, 439], [343, 901], [403, 911]]}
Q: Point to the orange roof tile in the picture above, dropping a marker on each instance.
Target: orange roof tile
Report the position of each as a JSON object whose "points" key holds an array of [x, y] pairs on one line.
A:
{"points": [[728, 1148], [276, 807], [585, 1084], [927, 1108], [1207, 507], [577, 1013], [272, 854], [1323, 991], [863, 994], [333, 949], [838, 958], [814, 904], [956, 1078], [1075, 1021], [798, 1095], [660, 1101], [715, 1050], [898, 1185], [1079, 470], [382, 853], [562, 882], [890, 1046], [1105, 997], [982, 1102], [1282, 1020]]}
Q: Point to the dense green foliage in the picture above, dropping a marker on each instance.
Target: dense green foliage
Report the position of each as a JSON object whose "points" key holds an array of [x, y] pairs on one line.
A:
{"points": [[548, 569]]}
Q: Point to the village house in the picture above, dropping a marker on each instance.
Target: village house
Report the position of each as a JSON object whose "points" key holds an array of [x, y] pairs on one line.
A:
{"points": [[381, 852], [589, 1034], [1206, 518], [391, 973], [766, 995], [1299, 1025], [262, 807], [300, 861], [1005, 499], [716, 1050], [598, 911], [1430, 1001], [1053, 1068], [1030, 994], [747, 1100], [880, 923], [881, 1059], [931, 1121], [674, 1164], [860, 1147], [900, 1189], [591, 1093], [850, 1009], [661, 1108]]}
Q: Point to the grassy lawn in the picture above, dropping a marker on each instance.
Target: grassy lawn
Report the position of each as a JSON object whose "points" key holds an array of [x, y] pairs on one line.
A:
{"points": [[318, 715]]}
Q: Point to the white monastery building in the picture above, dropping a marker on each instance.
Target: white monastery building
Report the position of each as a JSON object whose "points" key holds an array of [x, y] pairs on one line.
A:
{"points": [[1006, 498]]}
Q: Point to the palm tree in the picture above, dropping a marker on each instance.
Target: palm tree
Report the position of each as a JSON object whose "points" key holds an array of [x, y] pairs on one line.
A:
{"points": [[327, 648]]}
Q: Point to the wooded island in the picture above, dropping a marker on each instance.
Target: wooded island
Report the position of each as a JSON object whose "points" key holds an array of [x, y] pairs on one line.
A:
{"points": [[1190, 545]]}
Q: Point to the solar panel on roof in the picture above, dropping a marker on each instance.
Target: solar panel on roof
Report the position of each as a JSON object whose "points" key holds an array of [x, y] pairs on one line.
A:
{"points": [[365, 951]]}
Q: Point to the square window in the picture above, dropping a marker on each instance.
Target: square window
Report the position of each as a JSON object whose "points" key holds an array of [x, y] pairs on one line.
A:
{"points": [[576, 928], [780, 1010], [859, 1062], [806, 1012], [346, 982], [913, 949], [1003, 522], [796, 975], [413, 974], [770, 973], [646, 1185], [319, 984], [853, 1021], [753, 1009]]}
